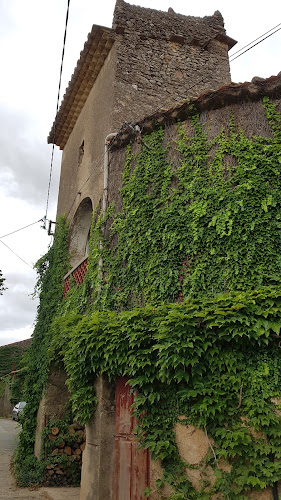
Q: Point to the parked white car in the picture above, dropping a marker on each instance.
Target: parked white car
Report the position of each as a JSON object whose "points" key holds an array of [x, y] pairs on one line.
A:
{"points": [[17, 409]]}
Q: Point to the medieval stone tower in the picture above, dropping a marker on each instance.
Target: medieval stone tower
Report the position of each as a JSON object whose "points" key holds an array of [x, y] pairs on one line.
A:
{"points": [[148, 60]]}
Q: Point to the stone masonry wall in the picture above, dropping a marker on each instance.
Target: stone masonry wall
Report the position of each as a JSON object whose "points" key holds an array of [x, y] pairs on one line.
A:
{"points": [[164, 58]]}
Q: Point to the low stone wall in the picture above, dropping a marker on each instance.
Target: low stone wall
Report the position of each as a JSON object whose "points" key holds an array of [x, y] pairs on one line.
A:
{"points": [[98, 458]]}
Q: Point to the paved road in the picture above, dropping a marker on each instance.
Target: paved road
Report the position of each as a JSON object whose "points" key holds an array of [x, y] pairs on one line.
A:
{"points": [[9, 431]]}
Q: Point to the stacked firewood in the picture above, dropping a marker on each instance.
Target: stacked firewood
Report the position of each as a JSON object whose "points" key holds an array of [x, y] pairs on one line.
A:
{"points": [[63, 453]]}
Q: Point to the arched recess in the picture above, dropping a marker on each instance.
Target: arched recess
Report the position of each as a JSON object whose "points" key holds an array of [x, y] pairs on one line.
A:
{"points": [[80, 231]]}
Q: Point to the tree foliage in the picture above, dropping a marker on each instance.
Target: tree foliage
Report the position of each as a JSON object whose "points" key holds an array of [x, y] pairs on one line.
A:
{"points": [[2, 287]]}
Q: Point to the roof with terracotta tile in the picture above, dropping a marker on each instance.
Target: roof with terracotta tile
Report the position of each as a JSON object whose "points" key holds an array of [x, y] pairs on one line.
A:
{"points": [[22, 344], [92, 57], [97, 47], [232, 93]]}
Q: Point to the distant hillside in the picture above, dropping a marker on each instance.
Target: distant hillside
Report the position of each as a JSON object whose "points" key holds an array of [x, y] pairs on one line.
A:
{"points": [[11, 354]]}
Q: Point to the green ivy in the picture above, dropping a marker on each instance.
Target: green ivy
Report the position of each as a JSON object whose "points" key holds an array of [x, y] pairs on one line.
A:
{"points": [[3, 387], [191, 359], [17, 383], [188, 303], [200, 226], [50, 268]]}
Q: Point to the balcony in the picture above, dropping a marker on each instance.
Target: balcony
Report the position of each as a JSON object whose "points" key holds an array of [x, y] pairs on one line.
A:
{"points": [[78, 273]]}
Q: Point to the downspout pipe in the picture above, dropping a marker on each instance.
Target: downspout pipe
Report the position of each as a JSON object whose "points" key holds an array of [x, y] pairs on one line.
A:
{"points": [[107, 142]]}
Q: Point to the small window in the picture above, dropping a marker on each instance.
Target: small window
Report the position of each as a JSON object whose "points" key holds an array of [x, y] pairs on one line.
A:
{"points": [[79, 231], [81, 154]]}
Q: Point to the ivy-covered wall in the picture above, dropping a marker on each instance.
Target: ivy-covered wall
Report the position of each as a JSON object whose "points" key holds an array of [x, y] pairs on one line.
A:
{"points": [[5, 396], [188, 304], [201, 210], [191, 250]]}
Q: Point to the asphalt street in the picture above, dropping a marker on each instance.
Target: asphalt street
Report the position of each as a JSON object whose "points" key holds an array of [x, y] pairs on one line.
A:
{"points": [[9, 431]]}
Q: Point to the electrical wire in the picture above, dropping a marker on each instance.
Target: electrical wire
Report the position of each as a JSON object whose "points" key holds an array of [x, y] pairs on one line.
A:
{"points": [[16, 254], [245, 46], [231, 60], [57, 108], [21, 228]]}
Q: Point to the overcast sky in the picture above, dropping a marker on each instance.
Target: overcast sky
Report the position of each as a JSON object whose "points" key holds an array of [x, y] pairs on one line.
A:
{"points": [[31, 35]]}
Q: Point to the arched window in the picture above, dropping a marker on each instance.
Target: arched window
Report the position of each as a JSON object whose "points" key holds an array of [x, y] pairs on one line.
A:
{"points": [[80, 232]]}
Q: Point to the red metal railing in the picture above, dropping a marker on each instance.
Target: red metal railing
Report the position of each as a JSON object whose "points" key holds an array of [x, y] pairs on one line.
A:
{"points": [[78, 273]]}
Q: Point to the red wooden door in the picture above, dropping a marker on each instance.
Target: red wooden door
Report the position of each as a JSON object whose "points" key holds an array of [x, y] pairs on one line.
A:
{"points": [[132, 465]]}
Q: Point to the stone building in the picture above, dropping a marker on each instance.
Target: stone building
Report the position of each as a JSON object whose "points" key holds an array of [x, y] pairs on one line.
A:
{"points": [[144, 72], [150, 69]]}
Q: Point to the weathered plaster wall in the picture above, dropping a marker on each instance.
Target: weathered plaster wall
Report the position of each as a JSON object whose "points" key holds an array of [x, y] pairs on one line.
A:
{"points": [[194, 446], [92, 126], [98, 457]]}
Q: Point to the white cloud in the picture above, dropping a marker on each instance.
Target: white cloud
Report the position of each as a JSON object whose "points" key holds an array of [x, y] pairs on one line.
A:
{"points": [[15, 335]]}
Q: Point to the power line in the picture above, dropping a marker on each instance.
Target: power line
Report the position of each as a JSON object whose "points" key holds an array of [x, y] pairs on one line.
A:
{"points": [[245, 46], [57, 108], [231, 60], [21, 228], [16, 254]]}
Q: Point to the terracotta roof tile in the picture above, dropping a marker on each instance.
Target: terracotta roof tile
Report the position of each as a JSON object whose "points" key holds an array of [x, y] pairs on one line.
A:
{"points": [[92, 57], [23, 344]]}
